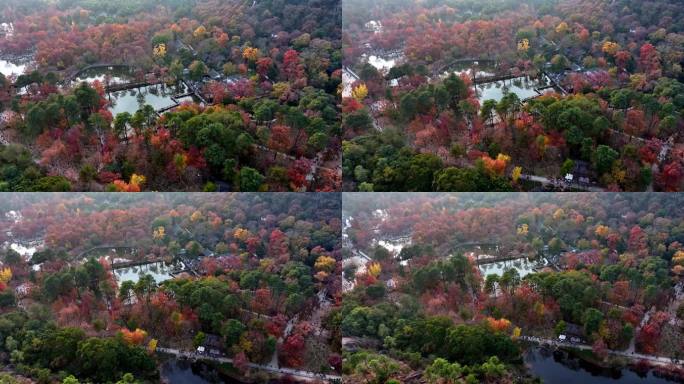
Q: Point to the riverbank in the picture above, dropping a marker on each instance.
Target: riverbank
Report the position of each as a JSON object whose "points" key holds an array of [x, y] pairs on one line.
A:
{"points": [[570, 366]]}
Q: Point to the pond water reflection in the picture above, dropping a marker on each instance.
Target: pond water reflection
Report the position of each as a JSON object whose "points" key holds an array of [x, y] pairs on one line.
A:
{"points": [[115, 75], [523, 265], [160, 271], [524, 87], [159, 96], [558, 367], [181, 371], [9, 68]]}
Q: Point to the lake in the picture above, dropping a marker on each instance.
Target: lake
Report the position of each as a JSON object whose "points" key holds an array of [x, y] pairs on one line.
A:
{"points": [[482, 252], [524, 266], [159, 96], [395, 245], [382, 64], [183, 371], [160, 271], [524, 87], [179, 371], [8, 68], [116, 75], [558, 367], [25, 250], [481, 69]]}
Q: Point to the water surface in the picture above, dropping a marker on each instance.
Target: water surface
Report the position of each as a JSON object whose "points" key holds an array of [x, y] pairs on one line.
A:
{"points": [[158, 96], [160, 272], [524, 87], [8, 68], [557, 367]]}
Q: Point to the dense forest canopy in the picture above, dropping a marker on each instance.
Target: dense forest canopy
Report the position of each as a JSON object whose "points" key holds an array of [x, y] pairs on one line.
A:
{"points": [[459, 287], [260, 77], [112, 278], [513, 95]]}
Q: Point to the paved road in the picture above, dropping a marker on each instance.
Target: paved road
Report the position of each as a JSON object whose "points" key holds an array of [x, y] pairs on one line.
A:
{"points": [[546, 181], [634, 356], [306, 375]]}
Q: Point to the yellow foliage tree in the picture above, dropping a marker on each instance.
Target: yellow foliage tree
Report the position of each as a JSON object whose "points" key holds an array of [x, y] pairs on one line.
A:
{"points": [[524, 45], [250, 53], [200, 32], [325, 263], [602, 231], [678, 258], [159, 51], [559, 214], [516, 333], [515, 175], [242, 234], [195, 216], [374, 269], [280, 89], [152, 345], [562, 27], [610, 48], [360, 92], [137, 180], [245, 344], [523, 230], [5, 275], [159, 233], [266, 264]]}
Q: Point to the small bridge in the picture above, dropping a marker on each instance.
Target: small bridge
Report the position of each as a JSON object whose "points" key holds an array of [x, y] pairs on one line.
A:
{"points": [[127, 264], [125, 86], [555, 83], [497, 259], [498, 254], [351, 73], [491, 79], [161, 111]]}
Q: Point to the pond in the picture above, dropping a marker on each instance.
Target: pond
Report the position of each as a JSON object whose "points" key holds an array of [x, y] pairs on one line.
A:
{"points": [[9, 68], [480, 69], [116, 75], [395, 245], [524, 266], [524, 87], [159, 96], [7, 29], [25, 250], [180, 371], [160, 271], [558, 367], [384, 63]]}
